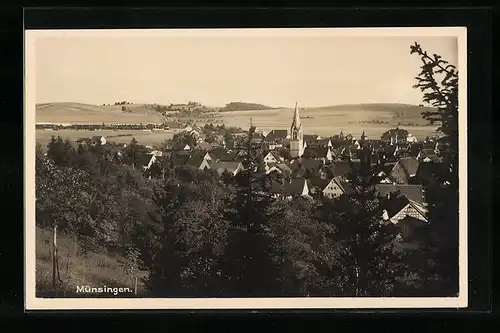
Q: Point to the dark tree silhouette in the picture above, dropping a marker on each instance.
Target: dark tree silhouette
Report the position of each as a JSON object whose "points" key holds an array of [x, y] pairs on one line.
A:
{"points": [[438, 80]]}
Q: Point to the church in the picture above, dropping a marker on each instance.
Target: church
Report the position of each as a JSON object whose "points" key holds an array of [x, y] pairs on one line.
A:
{"points": [[296, 135]]}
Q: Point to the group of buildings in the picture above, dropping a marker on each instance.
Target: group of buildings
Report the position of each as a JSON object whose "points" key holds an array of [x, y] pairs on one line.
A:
{"points": [[317, 167]]}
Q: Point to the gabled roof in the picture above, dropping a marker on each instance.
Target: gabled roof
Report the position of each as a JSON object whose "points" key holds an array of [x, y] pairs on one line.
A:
{"points": [[284, 167], [179, 146], [221, 155], [294, 187], [426, 171], [276, 135], [306, 164], [145, 159], [320, 183], [204, 145], [315, 152], [341, 168], [310, 137], [345, 186], [274, 154], [195, 160], [412, 192], [389, 149], [410, 164], [396, 204], [180, 160], [220, 167]]}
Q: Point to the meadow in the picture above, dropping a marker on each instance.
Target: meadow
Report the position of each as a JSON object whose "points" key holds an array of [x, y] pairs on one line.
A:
{"points": [[373, 119], [77, 269], [328, 121], [143, 137], [78, 113]]}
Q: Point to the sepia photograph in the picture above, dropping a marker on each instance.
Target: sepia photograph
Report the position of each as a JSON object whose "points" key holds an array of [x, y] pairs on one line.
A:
{"points": [[246, 168]]}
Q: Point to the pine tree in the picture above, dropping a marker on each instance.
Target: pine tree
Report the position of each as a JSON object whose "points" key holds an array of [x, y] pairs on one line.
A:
{"points": [[366, 263], [248, 267], [438, 80]]}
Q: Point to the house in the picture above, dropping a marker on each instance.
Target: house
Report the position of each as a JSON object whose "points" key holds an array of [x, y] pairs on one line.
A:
{"points": [[415, 148], [318, 142], [296, 187], [342, 169], [404, 169], [98, 140], [204, 145], [428, 155], [401, 207], [146, 161], [198, 161], [284, 167], [413, 192], [181, 146], [304, 166], [322, 153], [221, 155], [428, 172], [273, 169], [383, 176], [276, 136], [272, 157], [220, 167], [410, 218], [330, 188]]}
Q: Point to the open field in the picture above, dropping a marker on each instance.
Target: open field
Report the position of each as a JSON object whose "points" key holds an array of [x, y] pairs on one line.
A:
{"points": [[93, 269], [77, 113], [327, 121], [374, 119], [142, 137]]}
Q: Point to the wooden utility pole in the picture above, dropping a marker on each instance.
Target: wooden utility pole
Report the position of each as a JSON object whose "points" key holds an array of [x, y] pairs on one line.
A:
{"points": [[54, 257], [135, 286]]}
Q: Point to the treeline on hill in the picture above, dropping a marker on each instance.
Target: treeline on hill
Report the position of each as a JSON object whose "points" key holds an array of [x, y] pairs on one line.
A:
{"points": [[241, 106], [204, 235], [103, 126]]}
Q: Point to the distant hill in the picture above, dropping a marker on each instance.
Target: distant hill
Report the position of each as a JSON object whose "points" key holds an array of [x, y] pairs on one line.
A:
{"points": [[403, 112], [408, 109], [241, 106], [72, 113]]}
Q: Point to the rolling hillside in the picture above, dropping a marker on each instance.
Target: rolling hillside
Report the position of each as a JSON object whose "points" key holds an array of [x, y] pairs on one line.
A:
{"points": [[404, 112], [72, 113]]}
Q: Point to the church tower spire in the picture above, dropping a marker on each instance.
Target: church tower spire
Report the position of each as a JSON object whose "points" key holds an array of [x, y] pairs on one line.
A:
{"points": [[296, 135]]}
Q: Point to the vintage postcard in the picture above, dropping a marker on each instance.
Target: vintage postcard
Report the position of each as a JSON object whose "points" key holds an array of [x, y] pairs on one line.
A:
{"points": [[246, 168]]}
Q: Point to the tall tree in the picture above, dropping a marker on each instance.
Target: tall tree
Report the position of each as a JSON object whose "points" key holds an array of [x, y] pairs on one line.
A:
{"points": [[366, 263], [247, 262], [438, 80]]}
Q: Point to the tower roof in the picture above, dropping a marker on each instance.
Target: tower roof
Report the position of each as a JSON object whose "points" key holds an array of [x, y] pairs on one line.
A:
{"points": [[296, 117]]}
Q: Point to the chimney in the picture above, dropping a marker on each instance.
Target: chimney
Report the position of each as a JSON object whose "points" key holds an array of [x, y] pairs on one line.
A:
{"points": [[385, 215]]}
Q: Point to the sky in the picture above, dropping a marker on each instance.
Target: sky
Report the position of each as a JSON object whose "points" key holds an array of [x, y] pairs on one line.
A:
{"points": [[214, 70]]}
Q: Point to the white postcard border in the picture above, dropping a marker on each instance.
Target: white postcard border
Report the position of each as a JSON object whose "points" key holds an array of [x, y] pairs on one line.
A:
{"points": [[34, 303]]}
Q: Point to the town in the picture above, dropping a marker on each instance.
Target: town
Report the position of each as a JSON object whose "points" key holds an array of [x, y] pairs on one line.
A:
{"points": [[243, 211], [312, 167]]}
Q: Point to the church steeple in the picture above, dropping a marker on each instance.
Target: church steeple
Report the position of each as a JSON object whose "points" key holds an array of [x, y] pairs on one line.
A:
{"points": [[296, 135], [296, 117]]}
